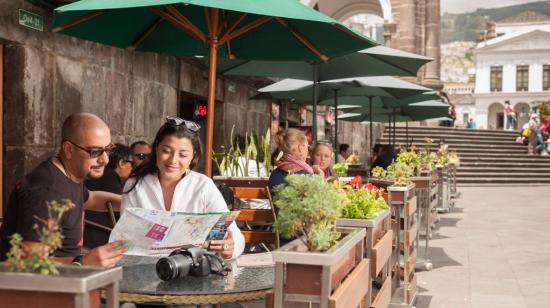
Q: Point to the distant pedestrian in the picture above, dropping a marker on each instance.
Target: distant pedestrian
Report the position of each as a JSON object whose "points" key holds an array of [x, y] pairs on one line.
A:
{"points": [[510, 116], [343, 153], [471, 124]]}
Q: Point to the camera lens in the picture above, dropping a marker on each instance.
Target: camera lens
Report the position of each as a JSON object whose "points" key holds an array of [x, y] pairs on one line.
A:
{"points": [[173, 266]]}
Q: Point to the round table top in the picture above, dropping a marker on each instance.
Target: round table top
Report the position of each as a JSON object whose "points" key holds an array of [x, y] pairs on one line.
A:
{"points": [[139, 277]]}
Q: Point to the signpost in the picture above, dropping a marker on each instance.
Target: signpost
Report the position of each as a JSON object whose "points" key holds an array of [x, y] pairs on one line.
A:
{"points": [[31, 20]]}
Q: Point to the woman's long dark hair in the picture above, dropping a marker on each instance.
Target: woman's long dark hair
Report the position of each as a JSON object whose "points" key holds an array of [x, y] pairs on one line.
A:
{"points": [[168, 129]]}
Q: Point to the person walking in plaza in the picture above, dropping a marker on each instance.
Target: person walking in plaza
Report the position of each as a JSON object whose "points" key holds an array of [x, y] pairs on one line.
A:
{"points": [[140, 152], [533, 125], [166, 182], [115, 175], [322, 157], [510, 116], [85, 145]]}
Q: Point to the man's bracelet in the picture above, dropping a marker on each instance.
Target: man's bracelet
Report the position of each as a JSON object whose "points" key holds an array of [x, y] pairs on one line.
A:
{"points": [[77, 260]]}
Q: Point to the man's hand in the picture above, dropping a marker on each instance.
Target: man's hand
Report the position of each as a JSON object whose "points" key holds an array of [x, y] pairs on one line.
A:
{"points": [[225, 247], [107, 255]]}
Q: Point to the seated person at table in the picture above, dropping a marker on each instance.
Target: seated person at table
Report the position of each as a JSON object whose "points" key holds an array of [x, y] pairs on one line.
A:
{"points": [[343, 152], [386, 157], [85, 146], [116, 172], [166, 182], [294, 146], [322, 158]]}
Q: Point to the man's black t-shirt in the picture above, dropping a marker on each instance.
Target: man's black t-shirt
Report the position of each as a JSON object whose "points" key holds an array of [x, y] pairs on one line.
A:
{"points": [[94, 236], [28, 199]]}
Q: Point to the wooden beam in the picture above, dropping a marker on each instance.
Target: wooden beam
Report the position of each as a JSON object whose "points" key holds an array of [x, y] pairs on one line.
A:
{"points": [[250, 26], [78, 21], [145, 34], [176, 23], [179, 16], [302, 39], [232, 26]]}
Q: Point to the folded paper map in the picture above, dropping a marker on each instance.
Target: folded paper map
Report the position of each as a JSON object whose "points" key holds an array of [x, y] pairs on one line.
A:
{"points": [[152, 232]]}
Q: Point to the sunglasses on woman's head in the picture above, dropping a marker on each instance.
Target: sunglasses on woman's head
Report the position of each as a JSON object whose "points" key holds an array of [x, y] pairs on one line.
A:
{"points": [[190, 125]]}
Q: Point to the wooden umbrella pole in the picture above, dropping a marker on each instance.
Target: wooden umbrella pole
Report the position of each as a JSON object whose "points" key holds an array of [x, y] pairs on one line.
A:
{"points": [[314, 111], [370, 128], [213, 59]]}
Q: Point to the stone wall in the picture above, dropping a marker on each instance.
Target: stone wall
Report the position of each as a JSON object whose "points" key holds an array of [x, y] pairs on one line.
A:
{"points": [[49, 76]]}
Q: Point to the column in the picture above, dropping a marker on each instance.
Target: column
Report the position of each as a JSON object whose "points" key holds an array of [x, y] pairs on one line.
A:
{"points": [[432, 76], [407, 25]]}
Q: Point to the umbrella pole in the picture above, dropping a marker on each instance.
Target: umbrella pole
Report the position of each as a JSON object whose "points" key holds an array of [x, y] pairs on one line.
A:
{"points": [[407, 133], [370, 128], [315, 83], [394, 128], [336, 124], [211, 95]]}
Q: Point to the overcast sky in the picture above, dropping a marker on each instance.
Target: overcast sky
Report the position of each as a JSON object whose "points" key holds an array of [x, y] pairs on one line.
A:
{"points": [[461, 6]]}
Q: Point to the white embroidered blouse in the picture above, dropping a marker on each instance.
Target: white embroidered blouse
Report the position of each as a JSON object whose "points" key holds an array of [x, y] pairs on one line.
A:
{"points": [[195, 193]]}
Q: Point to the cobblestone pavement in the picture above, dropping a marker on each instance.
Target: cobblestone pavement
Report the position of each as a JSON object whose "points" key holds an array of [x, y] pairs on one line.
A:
{"points": [[491, 251]]}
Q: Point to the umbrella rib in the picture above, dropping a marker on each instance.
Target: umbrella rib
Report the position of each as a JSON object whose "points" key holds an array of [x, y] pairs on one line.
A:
{"points": [[207, 18], [177, 23], [248, 27], [232, 26], [302, 39], [78, 20], [172, 9], [145, 34]]}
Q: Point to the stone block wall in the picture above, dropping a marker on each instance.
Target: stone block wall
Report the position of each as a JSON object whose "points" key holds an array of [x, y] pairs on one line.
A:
{"points": [[49, 76]]}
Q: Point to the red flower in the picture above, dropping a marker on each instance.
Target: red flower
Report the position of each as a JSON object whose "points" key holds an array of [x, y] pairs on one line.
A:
{"points": [[412, 147], [356, 181], [369, 186]]}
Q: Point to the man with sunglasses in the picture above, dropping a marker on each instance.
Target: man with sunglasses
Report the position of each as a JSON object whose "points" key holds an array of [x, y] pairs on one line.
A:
{"points": [[85, 146], [140, 152]]}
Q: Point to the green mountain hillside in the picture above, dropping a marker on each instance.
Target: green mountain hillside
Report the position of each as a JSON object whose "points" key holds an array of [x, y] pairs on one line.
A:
{"points": [[467, 26]]}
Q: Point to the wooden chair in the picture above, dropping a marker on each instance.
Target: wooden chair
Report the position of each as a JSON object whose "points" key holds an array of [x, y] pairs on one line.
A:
{"points": [[257, 224]]}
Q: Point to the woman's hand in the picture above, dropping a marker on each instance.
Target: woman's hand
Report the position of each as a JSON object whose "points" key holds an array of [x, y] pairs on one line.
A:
{"points": [[224, 247], [318, 171]]}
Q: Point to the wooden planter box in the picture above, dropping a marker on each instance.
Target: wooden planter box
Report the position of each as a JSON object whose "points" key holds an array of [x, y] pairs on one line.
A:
{"points": [[74, 287], [318, 277], [378, 248]]}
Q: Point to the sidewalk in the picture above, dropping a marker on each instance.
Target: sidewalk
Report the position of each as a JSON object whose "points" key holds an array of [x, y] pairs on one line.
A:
{"points": [[491, 251]]}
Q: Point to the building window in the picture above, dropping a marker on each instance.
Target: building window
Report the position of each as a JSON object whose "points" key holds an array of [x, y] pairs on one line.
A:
{"points": [[546, 77], [496, 78], [522, 77]]}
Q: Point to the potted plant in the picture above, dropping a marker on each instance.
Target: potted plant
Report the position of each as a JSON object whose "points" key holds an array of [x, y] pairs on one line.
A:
{"points": [[244, 160], [31, 278], [366, 208], [313, 266]]}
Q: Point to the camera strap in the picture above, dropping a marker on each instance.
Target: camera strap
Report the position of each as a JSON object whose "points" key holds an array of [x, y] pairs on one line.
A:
{"points": [[217, 264]]}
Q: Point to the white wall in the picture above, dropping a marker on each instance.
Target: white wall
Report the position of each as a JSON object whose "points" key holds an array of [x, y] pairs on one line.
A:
{"points": [[511, 28]]}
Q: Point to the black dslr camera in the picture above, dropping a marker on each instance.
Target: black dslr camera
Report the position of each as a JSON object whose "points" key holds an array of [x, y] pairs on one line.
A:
{"points": [[194, 261]]}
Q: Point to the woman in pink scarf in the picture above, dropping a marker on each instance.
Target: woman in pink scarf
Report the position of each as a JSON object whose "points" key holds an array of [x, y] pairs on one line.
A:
{"points": [[293, 143]]}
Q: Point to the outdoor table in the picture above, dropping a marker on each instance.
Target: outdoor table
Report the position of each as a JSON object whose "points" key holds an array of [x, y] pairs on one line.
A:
{"points": [[140, 284]]}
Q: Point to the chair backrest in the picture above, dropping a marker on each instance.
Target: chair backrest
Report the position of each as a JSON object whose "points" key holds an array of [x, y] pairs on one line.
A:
{"points": [[254, 219]]}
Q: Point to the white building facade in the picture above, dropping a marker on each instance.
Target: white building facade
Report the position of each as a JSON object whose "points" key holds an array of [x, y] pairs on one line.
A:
{"points": [[513, 67]]}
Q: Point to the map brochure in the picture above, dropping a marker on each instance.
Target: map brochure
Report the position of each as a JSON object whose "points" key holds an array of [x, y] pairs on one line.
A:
{"points": [[153, 232]]}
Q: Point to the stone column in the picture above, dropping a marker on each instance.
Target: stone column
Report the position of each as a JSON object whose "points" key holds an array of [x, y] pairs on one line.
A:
{"points": [[433, 50], [407, 25]]}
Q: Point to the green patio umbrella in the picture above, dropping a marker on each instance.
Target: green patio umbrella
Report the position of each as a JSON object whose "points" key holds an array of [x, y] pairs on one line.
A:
{"points": [[420, 111], [374, 61], [246, 29], [332, 92]]}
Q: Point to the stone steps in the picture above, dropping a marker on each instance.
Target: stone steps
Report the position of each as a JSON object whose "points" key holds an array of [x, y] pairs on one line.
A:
{"points": [[487, 157]]}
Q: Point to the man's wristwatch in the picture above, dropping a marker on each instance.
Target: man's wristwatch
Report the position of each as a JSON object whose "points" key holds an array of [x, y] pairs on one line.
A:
{"points": [[77, 260]]}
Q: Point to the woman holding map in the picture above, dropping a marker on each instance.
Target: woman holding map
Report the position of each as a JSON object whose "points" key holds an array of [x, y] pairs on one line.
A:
{"points": [[167, 183]]}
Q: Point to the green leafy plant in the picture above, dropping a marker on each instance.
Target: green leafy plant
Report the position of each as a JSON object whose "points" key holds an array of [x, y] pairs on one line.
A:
{"points": [[400, 172], [36, 258], [341, 169], [234, 161], [308, 206], [378, 172], [363, 203], [410, 158]]}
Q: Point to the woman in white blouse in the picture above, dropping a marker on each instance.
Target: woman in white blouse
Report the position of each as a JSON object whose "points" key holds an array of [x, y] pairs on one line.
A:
{"points": [[166, 182]]}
